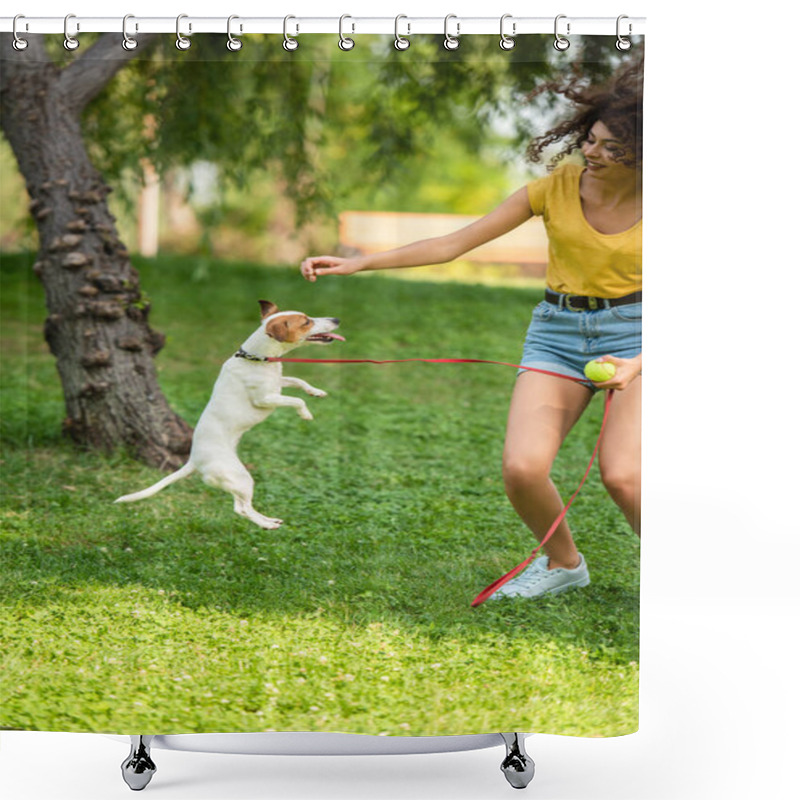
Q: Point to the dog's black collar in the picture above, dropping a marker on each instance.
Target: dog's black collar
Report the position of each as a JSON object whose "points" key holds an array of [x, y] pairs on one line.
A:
{"points": [[249, 356]]}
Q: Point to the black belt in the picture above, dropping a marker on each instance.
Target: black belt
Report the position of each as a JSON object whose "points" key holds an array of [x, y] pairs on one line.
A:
{"points": [[577, 302]]}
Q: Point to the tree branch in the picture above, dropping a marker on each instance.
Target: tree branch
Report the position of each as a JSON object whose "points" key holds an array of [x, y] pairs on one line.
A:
{"points": [[86, 77], [17, 62]]}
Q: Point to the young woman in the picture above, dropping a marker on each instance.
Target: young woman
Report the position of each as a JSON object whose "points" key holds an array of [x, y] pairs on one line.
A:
{"points": [[592, 308]]}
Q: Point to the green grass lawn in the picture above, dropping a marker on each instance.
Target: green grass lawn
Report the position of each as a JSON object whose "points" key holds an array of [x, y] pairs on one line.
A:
{"points": [[174, 615]]}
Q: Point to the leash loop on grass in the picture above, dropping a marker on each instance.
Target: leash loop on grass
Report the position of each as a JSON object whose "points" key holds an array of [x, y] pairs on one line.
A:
{"points": [[493, 587]]}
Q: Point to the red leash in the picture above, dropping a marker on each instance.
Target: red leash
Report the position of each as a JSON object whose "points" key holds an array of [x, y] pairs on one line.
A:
{"points": [[423, 360], [492, 588]]}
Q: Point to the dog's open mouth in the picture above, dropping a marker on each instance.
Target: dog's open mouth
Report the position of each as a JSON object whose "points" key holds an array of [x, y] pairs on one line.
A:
{"points": [[325, 338]]}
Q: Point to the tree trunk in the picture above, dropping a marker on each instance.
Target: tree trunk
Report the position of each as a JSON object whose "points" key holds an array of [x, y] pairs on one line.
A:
{"points": [[97, 324]]}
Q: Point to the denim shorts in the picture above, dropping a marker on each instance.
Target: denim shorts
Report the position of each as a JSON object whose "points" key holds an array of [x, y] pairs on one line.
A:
{"points": [[562, 341]]}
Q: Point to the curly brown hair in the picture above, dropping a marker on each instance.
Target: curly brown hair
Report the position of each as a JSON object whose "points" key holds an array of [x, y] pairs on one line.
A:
{"points": [[617, 104]]}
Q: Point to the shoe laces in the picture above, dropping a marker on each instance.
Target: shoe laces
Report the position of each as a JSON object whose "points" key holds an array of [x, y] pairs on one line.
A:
{"points": [[535, 573]]}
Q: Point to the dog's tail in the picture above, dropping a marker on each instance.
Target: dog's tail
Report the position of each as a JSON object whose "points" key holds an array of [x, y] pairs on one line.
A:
{"points": [[184, 471]]}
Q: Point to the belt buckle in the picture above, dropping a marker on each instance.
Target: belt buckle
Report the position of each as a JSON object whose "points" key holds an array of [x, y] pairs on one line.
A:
{"points": [[568, 302]]}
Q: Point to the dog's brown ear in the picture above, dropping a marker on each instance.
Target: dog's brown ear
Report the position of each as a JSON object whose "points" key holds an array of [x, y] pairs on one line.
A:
{"points": [[278, 329], [267, 308]]}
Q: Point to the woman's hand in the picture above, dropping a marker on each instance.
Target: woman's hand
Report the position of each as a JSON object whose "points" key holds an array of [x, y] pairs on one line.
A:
{"points": [[627, 370], [312, 267]]}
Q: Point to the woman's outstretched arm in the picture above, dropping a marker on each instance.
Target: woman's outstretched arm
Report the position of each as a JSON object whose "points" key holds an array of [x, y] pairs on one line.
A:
{"points": [[511, 213]]}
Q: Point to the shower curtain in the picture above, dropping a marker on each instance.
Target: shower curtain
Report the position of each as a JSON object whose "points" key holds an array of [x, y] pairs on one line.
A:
{"points": [[153, 195]]}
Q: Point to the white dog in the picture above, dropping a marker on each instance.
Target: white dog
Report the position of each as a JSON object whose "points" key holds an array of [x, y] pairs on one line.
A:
{"points": [[247, 391]]}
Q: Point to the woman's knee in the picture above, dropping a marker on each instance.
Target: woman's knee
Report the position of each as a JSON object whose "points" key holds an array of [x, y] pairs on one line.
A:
{"points": [[621, 479], [521, 471]]}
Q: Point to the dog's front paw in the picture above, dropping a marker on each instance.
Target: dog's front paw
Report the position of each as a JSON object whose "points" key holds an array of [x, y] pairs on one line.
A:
{"points": [[304, 413], [318, 393]]}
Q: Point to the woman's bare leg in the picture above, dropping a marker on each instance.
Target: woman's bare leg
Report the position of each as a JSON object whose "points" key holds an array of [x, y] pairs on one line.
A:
{"points": [[543, 410], [621, 452]]}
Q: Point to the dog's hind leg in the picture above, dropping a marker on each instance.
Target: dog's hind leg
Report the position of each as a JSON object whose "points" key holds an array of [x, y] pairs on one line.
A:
{"points": [[244, 507], [239, 482]]}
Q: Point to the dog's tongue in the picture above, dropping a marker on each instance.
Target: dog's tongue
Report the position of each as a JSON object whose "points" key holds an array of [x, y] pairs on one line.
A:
{"points": [[336, 336]]}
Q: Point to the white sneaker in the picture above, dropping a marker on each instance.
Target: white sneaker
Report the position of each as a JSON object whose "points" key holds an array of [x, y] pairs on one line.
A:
{"points": [[536, 580]]}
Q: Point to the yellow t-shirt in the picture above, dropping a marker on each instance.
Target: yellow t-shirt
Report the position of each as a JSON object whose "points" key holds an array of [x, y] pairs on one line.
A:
{"points": [[581, 260]]}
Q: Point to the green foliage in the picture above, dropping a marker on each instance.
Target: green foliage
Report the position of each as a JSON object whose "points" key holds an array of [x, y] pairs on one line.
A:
{"points": [[323, 122], [177, 616], [373, 129]]}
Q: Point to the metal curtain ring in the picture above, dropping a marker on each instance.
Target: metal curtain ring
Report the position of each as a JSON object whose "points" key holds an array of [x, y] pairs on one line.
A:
{"points": [[400, 42], [507, 42], [561, 43], [288, 42], [182, 43], [233, 44], [623, 43], [128, 42], [345, 42], [18, 43], [451, 42], [70, 42]]}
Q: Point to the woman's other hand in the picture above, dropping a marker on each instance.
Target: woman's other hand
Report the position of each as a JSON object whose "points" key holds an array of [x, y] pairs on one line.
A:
{"points": [[627, 370]]}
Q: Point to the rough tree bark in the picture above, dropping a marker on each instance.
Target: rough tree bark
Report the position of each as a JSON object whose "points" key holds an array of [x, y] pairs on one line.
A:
{"points": [[97, 325]]}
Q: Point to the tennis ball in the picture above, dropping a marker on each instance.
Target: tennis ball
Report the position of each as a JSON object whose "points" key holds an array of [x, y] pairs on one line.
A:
{"points": [[599, 371]]}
